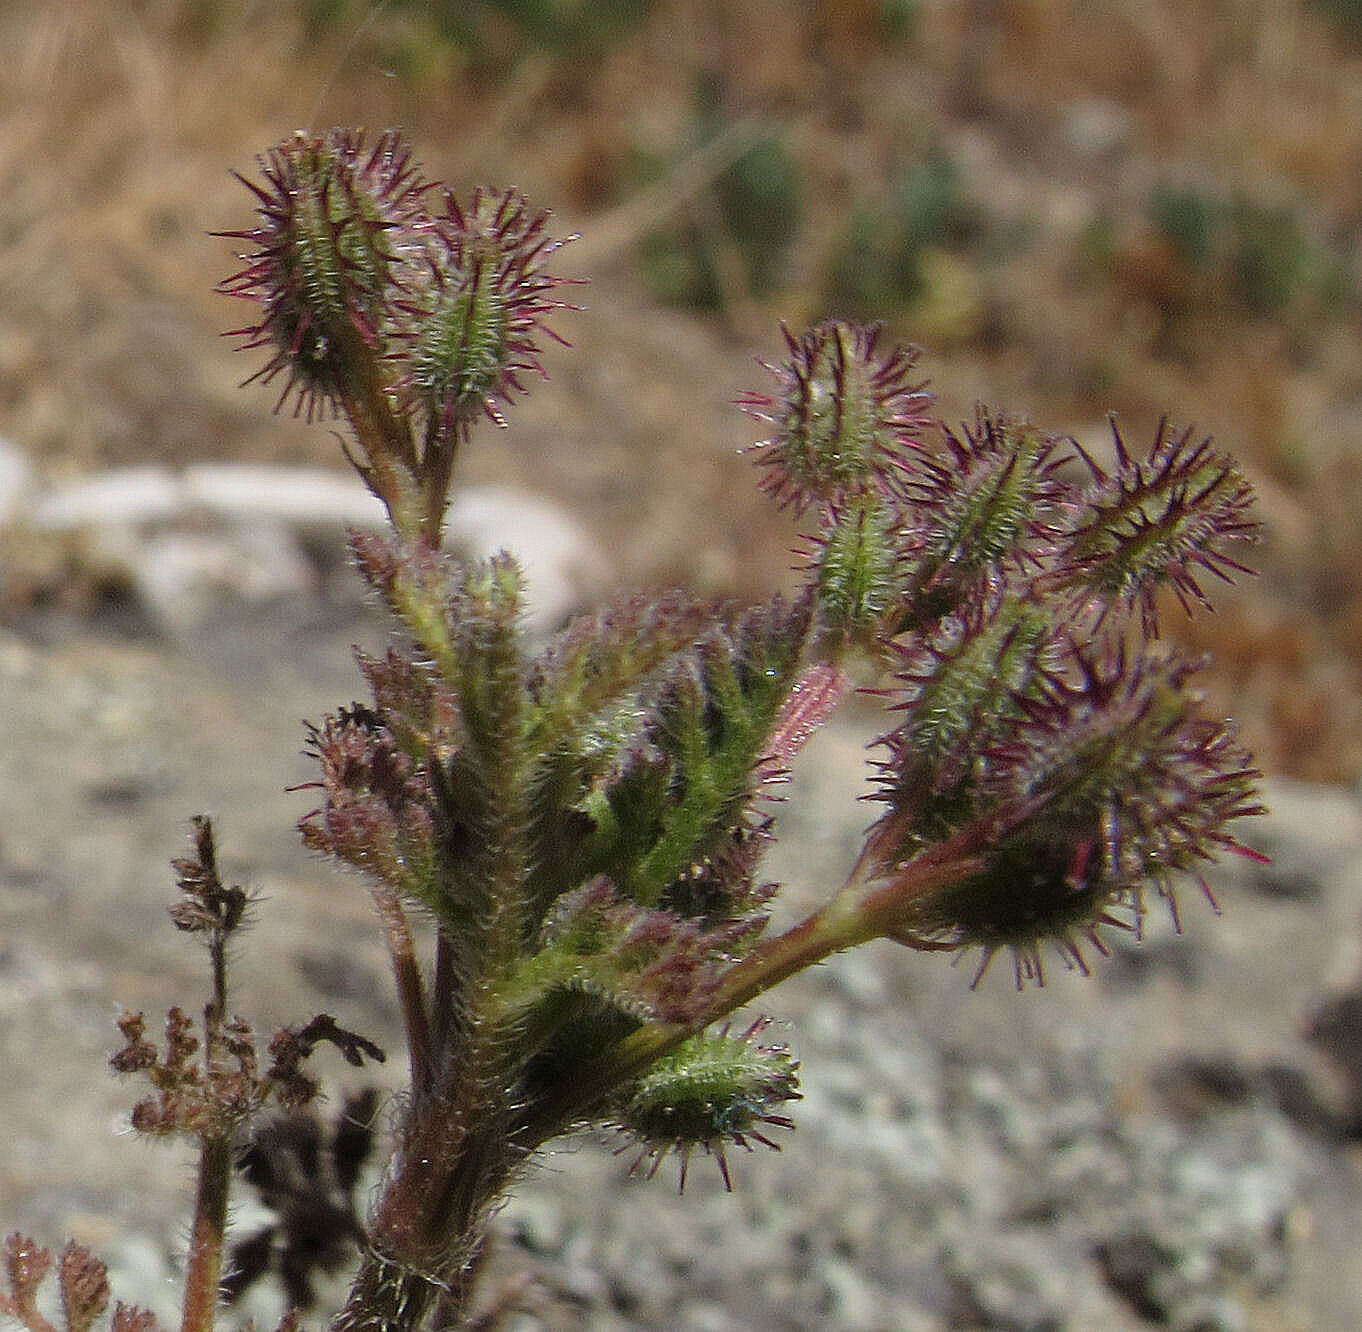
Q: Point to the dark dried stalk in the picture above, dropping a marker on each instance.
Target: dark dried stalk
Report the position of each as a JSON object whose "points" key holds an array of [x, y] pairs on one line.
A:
{"points": [[207, 1233]]}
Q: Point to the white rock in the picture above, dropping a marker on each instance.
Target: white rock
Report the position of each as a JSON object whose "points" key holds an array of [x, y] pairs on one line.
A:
{"points": [[182, 577], [562, 565], [214, 529], [303, 497], [121, 496], [16, 480]]}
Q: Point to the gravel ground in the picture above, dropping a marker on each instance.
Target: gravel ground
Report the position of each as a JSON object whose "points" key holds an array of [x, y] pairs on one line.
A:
{"points": [[1160, 1144]]}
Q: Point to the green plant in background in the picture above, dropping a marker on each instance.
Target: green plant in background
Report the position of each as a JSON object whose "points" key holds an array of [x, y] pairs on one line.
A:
{"points": [[732, 240], [751, 212], [491, 36], [1346, 16], [1187, 219], [584, 823], [1257, 253], [880, 270], [1271, 263], [899, 19]]}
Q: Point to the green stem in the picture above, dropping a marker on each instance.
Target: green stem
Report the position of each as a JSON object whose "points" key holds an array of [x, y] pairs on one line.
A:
{"points": [[858, 913], [389, 465], [437, 467], [431, 1214], [828, 931]]}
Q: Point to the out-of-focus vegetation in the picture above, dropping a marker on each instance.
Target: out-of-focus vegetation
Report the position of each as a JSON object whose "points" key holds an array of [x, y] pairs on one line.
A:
{"points": [[1254, 254], [887, 265], [491, 35], [1346, 16], [1078, 202], [736, 236]]}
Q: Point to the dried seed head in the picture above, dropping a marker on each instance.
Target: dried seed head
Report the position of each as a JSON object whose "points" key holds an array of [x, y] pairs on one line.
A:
{"points": [[129, 1318], [84, 1285], [26, 1266]]}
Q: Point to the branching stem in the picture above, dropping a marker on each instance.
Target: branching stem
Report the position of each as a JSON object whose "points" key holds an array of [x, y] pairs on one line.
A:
{"points": [[855, 915]]}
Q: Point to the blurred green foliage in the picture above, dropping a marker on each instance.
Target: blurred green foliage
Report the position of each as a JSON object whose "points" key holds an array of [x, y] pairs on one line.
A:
{"points": [[753, 213], [1187, 219], [1258, 253], [486, 32], [1273, 263], [1346, 17], [738, 233], [899, 19], [759, 201], [877, 271], [679, 269]]}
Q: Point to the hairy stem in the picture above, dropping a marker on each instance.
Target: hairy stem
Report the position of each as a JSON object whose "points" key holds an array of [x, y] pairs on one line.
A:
{"points": [[437, 466], [390, 464], [203, 1273], [445, 992], [857, 914], [407, 974], [385, 1298]]}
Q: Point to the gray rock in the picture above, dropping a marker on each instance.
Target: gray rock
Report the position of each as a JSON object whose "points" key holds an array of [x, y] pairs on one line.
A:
{"points": [[182, 577]]}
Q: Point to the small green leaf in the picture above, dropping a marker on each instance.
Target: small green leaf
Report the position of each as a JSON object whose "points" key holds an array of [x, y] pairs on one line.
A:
{"points": [[712, 721]]}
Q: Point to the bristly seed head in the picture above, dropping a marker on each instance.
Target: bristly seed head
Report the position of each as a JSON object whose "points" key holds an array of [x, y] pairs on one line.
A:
{"points": [[989, 499], [338, 220], [962, 686], [1155, 521], [474, 317], [1110, 780], [846, 416], [857, 565], [713, 1091]]}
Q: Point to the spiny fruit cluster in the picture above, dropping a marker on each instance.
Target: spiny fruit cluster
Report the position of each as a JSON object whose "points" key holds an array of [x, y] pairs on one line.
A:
{"points": [[585, 823], [410, 319], [1060, 759]]}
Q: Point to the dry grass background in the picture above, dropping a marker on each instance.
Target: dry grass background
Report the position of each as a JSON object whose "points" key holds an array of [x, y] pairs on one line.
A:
{"points": [[119, 120]]}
